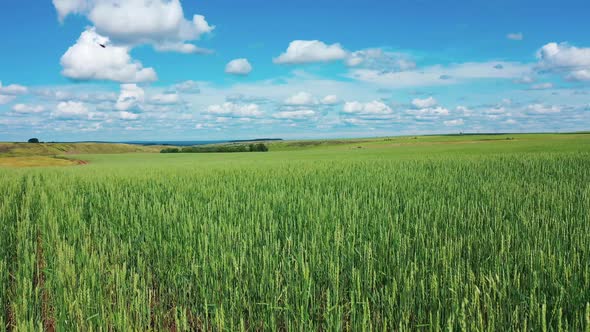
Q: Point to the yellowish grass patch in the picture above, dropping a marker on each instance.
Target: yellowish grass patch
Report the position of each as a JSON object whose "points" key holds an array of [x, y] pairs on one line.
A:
{"points": [[37, 161]]}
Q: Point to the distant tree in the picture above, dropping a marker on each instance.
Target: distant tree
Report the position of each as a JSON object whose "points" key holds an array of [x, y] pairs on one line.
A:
{"points": [[224, 148], [33, 140], [261, 147], [170, 150]]}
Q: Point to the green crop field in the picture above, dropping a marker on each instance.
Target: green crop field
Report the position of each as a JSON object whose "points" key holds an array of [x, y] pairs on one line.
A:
{"points": [[415, 233]]}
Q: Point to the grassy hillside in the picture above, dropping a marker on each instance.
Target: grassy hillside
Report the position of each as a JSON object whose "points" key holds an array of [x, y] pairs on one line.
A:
{"points": [[401, 147], [61, 154], [417, 141], [53, 149], [447, 234]]}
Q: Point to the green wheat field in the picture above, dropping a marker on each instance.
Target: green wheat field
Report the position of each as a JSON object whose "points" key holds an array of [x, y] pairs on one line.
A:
{"points": [[473, 233]]}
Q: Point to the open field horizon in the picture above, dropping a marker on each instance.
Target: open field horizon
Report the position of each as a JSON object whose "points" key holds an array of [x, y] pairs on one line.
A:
{"points": [[294, 165], [459, 233], [55, 153]]}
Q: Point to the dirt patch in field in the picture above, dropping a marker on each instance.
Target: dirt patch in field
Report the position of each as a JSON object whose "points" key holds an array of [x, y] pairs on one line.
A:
{"points": [[39, 161], [5, 148]]}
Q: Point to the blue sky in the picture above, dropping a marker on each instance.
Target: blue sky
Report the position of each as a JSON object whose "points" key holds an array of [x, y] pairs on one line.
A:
{"points": [[197, 70]]}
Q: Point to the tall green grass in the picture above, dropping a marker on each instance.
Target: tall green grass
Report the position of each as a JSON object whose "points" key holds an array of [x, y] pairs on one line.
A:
{"points": [[449, 242]]}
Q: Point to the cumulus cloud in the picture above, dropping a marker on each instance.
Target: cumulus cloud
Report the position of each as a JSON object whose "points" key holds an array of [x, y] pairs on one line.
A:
{"points": [[563, 58], [379, 59], [431, 76], [430, 112], [371, 108], [28, 109], [6, 99], [543, 109], [187, 87], [456, 122], [464, 111], [201, 126], [128, 116], [229, 109], [69, 110], [295, 115], [13, 89], [579, 75], [238, 67], [66, 7], [424, 103], [158, 22], [515, 36], [181, 48], [510, 122], [87, 60], [495, 110], [301, 99], [330, 100], [165, 99], [526, 79], [309, 51], [8, 93], [130, 98]]}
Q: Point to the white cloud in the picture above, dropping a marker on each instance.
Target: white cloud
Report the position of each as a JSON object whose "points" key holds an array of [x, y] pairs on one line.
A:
{"points": [[515, 36], [308, 51], [133, 22], [124, 115], [165, 99], [430, 112], [13, 89], [66, 7], [187, 87], [543, 109], [201, 126], [525, 80], [495, 110], [181, 48], [330, 100], [238, 67], [87, 60], [235, 110], [301, 99], [370, 108], [542, 86], [6, 99], [456, 122], [424, 103], [28, 109], [378, 59], [354, 121], [8, 93], [431, 76], [68, 110], [464, 111], [295, 115], [579, 75], [564, 58], [131, 97]]}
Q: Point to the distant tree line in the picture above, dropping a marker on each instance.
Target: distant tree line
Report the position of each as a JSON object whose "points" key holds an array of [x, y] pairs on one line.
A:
{"points": [[259, 147]]}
